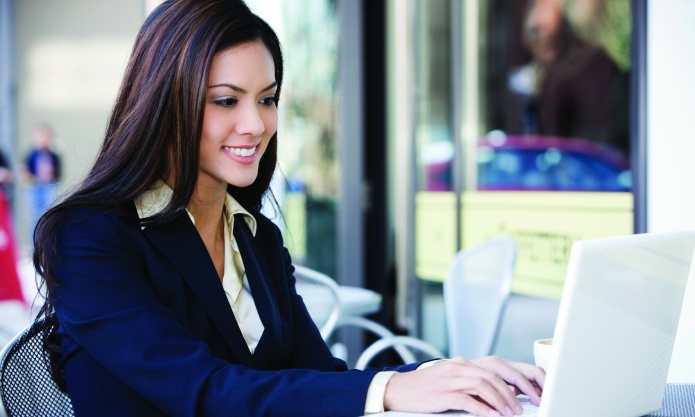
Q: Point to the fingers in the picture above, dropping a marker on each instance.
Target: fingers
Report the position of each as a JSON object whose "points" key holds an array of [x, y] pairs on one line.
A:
{"points": [[481, 386], [475, 406], [489, 395], [532, 373], [527, 378], [491, 388]]}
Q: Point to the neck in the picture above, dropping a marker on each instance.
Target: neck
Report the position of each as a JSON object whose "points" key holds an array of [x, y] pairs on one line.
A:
{"points": [[206, 208]]}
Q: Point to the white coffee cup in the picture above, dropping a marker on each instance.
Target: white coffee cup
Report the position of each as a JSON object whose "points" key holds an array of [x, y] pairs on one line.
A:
{"points": [[542, 352]]}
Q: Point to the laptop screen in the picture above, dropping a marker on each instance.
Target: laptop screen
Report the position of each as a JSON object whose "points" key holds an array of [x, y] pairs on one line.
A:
{"points": [[617, 323]]}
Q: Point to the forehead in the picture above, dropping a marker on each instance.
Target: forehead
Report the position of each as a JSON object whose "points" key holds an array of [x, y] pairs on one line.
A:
{"points": [[250, 60]]}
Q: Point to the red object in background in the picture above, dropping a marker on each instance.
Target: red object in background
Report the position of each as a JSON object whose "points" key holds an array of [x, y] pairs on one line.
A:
{"points": [[10, 287]]}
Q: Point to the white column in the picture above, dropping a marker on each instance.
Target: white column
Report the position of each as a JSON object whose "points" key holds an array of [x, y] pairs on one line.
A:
{"points": [[671, 146]]}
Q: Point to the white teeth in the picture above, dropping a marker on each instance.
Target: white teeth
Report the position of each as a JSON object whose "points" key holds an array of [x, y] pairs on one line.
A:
{"points": [[241, 151]]}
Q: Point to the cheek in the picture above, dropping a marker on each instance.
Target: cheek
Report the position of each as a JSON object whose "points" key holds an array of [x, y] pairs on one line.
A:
{"points": [[211, 128], [207, 142], [270, 122]]}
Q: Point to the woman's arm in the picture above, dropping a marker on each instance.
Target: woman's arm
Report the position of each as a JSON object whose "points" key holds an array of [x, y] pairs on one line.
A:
{"points": [[487, 387]]}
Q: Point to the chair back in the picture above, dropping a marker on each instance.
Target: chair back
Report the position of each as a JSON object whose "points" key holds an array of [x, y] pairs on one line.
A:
{"points": [[378, 330], [321, 297], [27, 387], [394, 342], [476, 289]]}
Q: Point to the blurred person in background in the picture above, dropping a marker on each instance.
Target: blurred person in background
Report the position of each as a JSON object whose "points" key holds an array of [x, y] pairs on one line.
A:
{"points": [[171, 293], [574, 85], [5, 172], [41, 172]]}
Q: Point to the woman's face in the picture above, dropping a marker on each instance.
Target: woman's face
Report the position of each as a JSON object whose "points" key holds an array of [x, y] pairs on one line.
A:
{"points": [[240, 115]]}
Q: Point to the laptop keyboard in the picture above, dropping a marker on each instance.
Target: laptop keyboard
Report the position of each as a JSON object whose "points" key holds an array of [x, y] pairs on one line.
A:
{"points": [[529, 408]]}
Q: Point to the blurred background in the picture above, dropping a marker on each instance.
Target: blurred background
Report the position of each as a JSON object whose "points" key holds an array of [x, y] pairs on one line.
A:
{"points": [[411, 129]]}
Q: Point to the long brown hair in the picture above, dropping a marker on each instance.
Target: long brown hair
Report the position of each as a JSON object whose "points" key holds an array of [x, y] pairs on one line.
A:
{"points": [[156, 122]]}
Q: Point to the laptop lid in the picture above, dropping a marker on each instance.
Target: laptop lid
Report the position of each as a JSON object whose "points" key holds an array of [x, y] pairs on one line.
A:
{"points": [[616, 325]]}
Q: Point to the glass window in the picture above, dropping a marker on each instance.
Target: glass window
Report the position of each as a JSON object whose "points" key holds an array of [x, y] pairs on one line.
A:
{"points": [[554, 100], [435, 204], [556, 106], [542, 92], [306, 185], [435, 143]]}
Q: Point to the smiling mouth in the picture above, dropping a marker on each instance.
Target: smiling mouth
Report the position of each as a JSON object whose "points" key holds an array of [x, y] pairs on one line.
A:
{"points": [[241, 151]]}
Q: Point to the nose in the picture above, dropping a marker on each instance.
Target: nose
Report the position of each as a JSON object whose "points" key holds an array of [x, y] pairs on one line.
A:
{"points": [[251, 122]]}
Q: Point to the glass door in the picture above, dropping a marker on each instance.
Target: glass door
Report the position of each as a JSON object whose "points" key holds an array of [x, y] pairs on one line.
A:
{"points": [[306, 184], [522, 130]]}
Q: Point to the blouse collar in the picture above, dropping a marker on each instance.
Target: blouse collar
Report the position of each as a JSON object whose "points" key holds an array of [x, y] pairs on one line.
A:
{"points": [[154, 200]]}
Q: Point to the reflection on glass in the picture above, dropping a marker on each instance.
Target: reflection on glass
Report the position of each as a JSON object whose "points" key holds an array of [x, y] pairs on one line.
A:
{"points": [[308, 32], [434, 133], [435, 148], [550, 164], [551, 114], [567, 88]]}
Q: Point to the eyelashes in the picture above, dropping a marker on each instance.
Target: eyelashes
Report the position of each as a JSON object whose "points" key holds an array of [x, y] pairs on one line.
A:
{"points": [[230, 102], [226, 102], [269, 101]]}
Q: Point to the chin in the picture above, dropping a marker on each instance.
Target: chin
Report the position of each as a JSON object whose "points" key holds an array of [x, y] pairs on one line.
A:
{"points": [[242, 181], [238, 184], [238, 177]]}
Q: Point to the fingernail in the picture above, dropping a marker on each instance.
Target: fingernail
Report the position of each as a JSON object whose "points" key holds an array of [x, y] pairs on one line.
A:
{"points": [[508, 411], [494, 413]]}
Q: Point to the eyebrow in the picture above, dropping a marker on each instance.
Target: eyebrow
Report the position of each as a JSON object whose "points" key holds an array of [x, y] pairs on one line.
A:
{"points": [[241, 90]]}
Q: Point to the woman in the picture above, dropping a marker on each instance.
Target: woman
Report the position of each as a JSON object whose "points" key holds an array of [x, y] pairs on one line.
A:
{"points": [[144, 260]]}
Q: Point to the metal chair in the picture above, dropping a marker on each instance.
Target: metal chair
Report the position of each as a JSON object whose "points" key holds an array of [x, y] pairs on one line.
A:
{"points": [[320, 295], [386, 339], [27, 387], [476, 290], [398, 344]]}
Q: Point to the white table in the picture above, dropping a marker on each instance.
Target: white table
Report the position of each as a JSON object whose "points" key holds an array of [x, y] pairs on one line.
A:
{"points": [[356, 301]]}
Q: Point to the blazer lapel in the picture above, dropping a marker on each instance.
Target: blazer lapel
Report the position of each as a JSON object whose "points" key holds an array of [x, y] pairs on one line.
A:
{"points": [[256, 267], [194, 263]]}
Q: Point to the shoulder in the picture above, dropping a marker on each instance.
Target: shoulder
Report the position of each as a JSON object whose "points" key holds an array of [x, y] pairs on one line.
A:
{"points": [[262, 221], [265, 227], [96, 220], [269, 235], [95, 235]]}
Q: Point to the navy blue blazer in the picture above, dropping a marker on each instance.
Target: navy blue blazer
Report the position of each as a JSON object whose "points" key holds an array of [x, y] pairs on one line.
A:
{"points": [[147, 330]]}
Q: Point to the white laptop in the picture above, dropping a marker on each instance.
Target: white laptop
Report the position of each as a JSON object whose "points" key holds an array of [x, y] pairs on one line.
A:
{"points": [[616, 326]]}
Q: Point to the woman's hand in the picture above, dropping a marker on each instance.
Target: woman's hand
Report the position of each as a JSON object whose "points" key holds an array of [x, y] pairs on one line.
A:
{"points": [[486, 387]]}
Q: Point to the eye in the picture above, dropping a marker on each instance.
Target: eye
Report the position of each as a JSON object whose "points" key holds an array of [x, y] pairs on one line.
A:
{"points": [[268, 101], [226, 102]]}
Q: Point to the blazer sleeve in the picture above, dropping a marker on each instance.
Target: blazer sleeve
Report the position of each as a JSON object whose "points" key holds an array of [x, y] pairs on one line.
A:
{"points": [[109, 311]]}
